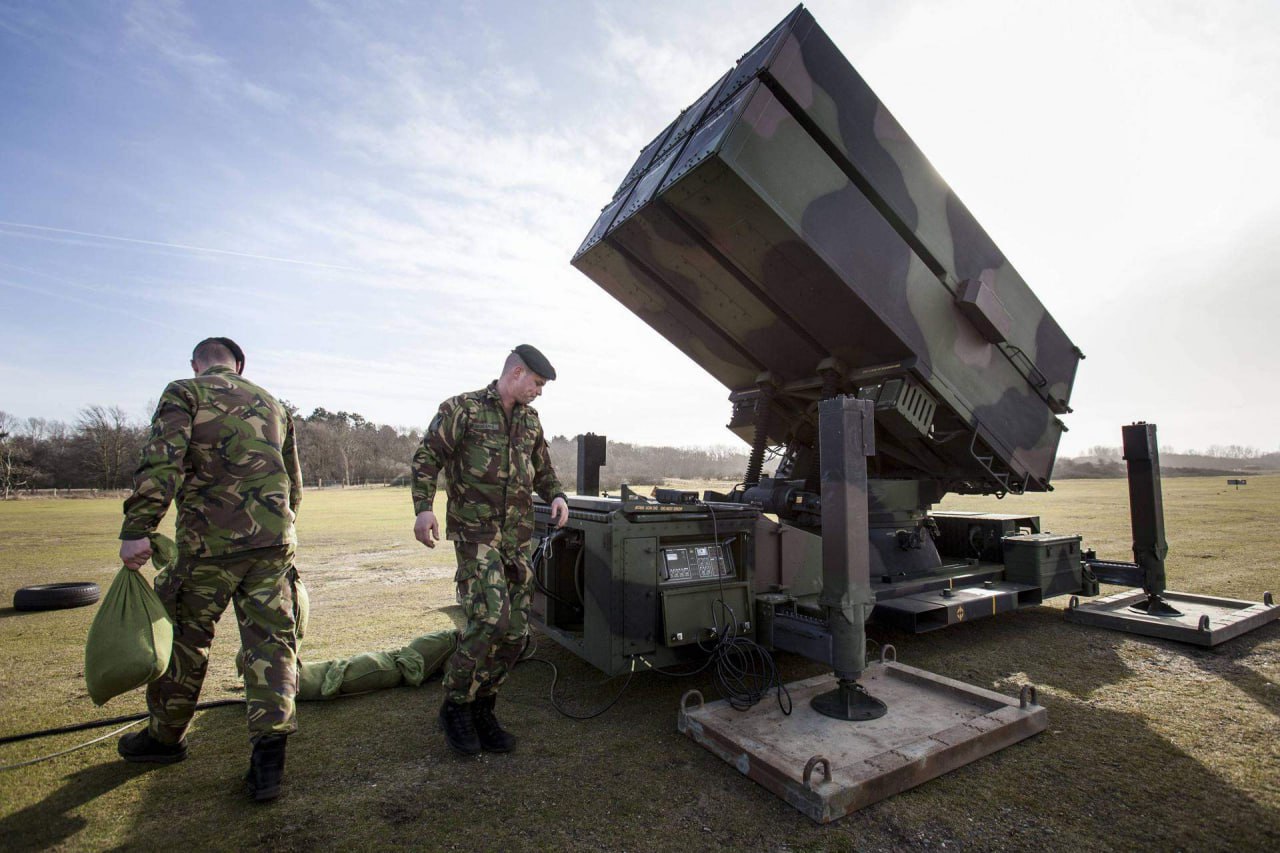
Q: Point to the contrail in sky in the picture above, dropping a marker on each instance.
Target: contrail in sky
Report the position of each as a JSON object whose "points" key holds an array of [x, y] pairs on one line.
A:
{"points": [[4, 282], [182, 246]]}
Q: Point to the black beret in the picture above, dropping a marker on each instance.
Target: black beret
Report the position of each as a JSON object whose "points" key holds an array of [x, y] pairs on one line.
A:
{"points": [[231, 346], [234, 348], [535, 361]]}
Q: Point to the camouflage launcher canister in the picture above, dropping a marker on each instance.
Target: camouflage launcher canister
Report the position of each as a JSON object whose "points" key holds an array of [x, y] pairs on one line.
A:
{"points": [[788, 236]]}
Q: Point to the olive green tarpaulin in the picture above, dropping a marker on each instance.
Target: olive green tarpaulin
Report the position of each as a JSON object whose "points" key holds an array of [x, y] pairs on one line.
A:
{"points": [[411, 665], [131, 636]]}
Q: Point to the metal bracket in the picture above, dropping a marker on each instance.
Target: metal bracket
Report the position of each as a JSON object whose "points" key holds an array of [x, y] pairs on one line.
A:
{"points": [[684, 701], [809, 768]]}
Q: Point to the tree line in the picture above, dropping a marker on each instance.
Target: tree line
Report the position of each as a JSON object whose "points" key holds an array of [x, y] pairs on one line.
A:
{"points": [[100, 449], [1101, 461]]}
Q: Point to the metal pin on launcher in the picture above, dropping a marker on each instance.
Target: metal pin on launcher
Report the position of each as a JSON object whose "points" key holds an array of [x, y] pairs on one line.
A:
{"points": [[787, 235]]}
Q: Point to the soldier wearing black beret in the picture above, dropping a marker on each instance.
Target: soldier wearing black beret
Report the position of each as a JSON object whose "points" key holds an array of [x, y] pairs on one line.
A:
{"points": [[491, 448]]}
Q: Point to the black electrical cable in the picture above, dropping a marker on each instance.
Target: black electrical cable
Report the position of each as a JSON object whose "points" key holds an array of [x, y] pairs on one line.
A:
{"points": [[541, 559], [109, 721], [531, 647], [745, 671]]}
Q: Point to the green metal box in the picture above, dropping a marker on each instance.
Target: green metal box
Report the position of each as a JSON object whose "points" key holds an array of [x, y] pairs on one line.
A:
{"points": [[1046, 560], [639, 578]]}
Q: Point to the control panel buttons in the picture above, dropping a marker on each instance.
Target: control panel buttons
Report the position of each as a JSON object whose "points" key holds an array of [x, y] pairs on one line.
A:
{"points": [[690, 563]]}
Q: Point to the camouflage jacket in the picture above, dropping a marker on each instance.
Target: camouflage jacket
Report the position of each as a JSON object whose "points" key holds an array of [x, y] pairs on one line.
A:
{"points": [[493, 466], [225, 449]]}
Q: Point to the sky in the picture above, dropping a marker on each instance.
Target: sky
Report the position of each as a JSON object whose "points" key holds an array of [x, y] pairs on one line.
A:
{"points": [[378, 200]]}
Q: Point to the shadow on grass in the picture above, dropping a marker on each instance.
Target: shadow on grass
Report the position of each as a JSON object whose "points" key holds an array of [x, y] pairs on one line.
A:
{"points": [[1224, 662], [53, 820], [1096, 779], [1036, 642], [373, 771]]}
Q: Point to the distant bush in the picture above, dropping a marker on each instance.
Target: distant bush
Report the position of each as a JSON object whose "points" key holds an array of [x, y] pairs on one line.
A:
{"points": [[635, 463]]}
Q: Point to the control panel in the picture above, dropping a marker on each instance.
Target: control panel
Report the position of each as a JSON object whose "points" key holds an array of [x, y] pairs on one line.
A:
{"points": [[697, 562]]}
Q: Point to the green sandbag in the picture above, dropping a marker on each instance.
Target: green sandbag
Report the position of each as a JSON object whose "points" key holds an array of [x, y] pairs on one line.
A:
{"points": [[432, 649], [129, 641], [412, 665], [370, 671], [312, 678], [302, 603]]}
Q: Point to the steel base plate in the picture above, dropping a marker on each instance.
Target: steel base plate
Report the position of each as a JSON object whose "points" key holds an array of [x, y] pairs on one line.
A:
{"points": [[1205, 620], [828, 768]]}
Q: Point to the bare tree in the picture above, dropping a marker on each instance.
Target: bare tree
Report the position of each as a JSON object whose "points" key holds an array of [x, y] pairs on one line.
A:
{"points": [[111, 443], [14, 470]]}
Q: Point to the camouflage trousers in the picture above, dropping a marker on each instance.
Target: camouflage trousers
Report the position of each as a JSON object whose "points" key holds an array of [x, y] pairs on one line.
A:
{"points": [[495, 594], [196, 591]]}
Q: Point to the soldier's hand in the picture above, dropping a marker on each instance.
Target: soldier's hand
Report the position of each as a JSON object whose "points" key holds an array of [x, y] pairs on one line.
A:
{"points": [[559, 511], [134, 553], [426, 529]]}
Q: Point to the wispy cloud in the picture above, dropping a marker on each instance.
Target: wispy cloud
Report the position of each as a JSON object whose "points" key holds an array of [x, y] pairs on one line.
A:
{"points": [[167, 29], [47, 230]]}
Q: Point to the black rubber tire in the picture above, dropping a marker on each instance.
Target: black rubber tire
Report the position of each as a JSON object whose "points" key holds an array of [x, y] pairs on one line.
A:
{"points": [[56, 596]]}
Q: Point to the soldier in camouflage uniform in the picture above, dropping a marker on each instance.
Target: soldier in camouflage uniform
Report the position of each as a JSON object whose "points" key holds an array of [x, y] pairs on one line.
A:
{"points": [[224, 449], [490, 446]]}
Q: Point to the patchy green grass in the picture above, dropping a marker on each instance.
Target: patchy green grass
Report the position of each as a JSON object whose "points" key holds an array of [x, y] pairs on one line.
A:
{"points": [[1151, 745]]}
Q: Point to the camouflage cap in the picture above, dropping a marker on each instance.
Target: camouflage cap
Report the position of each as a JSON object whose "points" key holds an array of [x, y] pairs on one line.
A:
{"points": [[536, 361]]}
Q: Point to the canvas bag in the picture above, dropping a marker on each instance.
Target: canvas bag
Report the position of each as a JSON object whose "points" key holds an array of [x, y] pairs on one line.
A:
{"points": [[411, 665], [131, 637]]}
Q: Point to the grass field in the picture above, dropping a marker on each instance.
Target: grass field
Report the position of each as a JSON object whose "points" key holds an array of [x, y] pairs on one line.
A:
{"points": [[1151, 745]]}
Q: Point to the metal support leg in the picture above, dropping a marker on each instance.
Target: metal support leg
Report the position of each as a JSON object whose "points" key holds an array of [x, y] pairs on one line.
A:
{"points": [[591, 449], [1146, 515], [846, 433]]}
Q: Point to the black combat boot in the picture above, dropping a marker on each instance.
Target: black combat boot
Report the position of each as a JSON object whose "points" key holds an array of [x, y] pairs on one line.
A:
{"points": [[493, 738], [459, 729], [141, 747], [266, 768]]}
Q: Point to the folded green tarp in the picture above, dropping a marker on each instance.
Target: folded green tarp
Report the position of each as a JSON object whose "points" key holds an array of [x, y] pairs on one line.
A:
{"points": [[411, 665], [131, 637]]}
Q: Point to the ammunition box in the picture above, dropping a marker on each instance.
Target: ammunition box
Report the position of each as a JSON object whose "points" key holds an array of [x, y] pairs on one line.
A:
{"points": [[1046, 560]]}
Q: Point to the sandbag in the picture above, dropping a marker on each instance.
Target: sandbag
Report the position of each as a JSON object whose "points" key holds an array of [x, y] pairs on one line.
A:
{"points": [[370, 671], [432, 651], [412, 665], [130, 640], [301, 604], [312, 678]]}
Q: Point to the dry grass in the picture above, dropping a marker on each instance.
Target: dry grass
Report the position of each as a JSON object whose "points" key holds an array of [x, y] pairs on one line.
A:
{"points": [[1151, 745]]}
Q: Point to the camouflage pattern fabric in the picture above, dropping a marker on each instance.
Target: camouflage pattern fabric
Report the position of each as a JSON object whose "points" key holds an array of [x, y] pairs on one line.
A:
{"points": [[195, 592], [496, 594], [225, 449], [787, 235], [493, 466]]}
